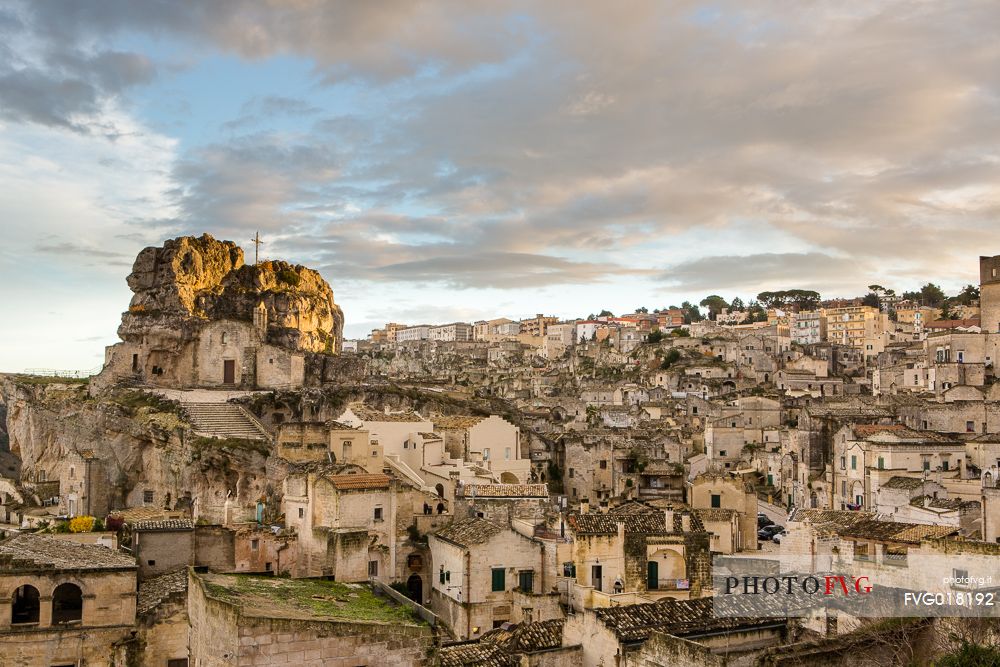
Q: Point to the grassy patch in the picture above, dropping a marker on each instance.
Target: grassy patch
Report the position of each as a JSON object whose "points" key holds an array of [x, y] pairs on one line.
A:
{"points": [[320, 598], [33, 380], [134, 401], [232, 444]]}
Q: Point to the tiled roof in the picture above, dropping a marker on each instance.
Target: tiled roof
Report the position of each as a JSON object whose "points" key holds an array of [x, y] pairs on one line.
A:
{"points": [[941, 503], [163, 525], [864, 525], [338, 426], [457, 421], [597, 523], [427, 435], [154, 591], [633, 507], [635, 622], [474, 654], [133, 514], [868, 430], [714, 514], [364, 413], [346, 482], [907, 483], [505, 491], [469, 531], [30, 551], [528, 637]]}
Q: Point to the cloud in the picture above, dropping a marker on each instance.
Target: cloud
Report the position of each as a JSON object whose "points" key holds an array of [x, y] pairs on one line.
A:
{"points": [[759, 272]]}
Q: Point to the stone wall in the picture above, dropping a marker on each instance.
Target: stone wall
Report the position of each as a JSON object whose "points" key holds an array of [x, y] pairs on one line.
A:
{"points": [[221, 635], [163, 551]]}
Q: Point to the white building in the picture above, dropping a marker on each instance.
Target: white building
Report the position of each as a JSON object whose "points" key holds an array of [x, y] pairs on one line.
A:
{"points": [[807, 327], [456, 331], [421, 332]]}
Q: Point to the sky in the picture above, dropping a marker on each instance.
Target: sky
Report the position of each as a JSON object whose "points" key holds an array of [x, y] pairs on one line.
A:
{"points": [[457, 161]]}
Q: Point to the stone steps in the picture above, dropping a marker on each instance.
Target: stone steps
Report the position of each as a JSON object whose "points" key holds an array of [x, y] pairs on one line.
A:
{"points": [[224, 420]]}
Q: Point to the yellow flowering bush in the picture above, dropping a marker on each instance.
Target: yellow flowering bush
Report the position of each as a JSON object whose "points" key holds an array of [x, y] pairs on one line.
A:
{"points": [[81, 524]]}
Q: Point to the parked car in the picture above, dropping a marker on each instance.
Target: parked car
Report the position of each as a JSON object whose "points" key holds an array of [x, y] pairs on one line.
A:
{"points": [[763, 521], [767, 532], [778, 537]]}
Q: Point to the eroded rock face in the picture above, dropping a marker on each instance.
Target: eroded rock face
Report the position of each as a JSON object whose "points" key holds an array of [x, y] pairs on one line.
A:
{"points": [[190, 280]]}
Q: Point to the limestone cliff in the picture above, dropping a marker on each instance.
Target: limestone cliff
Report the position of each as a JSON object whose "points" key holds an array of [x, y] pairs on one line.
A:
{"points": [[139, 443], [190, 280]]}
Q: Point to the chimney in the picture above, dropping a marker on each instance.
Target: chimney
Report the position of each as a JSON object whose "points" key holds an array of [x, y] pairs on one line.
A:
{"points": [[686, 522], [584, 506], [669, 520]]}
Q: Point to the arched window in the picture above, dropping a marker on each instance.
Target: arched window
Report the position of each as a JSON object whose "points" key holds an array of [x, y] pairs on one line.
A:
{"points": [[440, 490], [67, 604], [25, 605]]}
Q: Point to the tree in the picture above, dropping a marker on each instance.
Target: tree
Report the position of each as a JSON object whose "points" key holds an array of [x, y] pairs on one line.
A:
{"points": [[931, 295], [642, 309], [968, 294], [655, 336], [715, 305], [871, 299], [606, 313], [691, 313], [671, 357], [737, 304]]}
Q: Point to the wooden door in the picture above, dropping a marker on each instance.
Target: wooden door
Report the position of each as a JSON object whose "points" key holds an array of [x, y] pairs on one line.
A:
{"points": [[229, 371]]}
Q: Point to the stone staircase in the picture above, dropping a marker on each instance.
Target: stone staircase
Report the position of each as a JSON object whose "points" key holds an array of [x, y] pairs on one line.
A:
{"points": [[224, 420]]}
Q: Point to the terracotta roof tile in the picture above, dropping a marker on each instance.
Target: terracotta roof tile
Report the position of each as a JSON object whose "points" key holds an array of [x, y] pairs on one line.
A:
{"points": [[155, 591], [350, 482], [457, 421], [367, 414]]}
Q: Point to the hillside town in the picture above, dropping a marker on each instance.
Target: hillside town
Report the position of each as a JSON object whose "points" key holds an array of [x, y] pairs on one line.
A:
{"points": [[241, 485]]}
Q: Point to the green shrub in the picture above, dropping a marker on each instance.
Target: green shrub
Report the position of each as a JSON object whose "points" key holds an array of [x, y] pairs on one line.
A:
{"points": [[289, 277]]}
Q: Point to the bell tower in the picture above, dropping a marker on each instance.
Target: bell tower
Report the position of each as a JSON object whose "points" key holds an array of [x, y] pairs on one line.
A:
{"points": [[989, 293]]}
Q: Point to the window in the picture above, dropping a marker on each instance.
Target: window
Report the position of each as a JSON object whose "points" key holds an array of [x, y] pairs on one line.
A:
{"points": [[854, 462], [302, 512], [147, 497], [843, 463], [67, 604], [881, 463], [72, 472], [441, 575], [506, 454], [373, 568], [604, 465], [927, 464], [722, 452], [254, 545], [526, 580], [970, 427], [151, 563], [177, 662], [944, 464], [499, 579], [486, 453], [378, 513], [571, 472], [716, 500], [225, 336], [25, 605], [843, 488]]}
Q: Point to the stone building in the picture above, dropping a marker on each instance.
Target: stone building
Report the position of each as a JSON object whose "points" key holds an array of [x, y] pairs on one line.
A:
{"points": [[200, 317], [309, 623], [637, 549], [66, 603], [479, 566], [670, 632], [714, 490], [989, 293]]}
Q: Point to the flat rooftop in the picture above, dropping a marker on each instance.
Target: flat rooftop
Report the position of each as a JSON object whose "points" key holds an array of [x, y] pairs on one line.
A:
{"points": [[306, 599]]}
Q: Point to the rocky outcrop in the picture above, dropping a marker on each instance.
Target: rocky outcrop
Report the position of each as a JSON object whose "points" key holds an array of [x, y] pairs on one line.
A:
{"points": [[142, 443], [190, 280]]}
